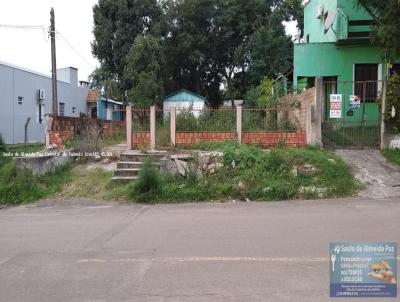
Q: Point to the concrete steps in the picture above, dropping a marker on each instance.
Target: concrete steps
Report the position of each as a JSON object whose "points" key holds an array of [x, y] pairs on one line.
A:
{"points": [[130, 163]]}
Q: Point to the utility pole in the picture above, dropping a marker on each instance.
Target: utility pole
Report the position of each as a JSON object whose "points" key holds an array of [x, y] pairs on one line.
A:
{"points": [[53, 63]]}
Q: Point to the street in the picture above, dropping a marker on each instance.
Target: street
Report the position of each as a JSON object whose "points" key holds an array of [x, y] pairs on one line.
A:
{"points": [[273, 251]]}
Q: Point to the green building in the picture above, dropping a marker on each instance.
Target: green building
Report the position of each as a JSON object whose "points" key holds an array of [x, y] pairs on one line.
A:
{"points": [[337, 47]]}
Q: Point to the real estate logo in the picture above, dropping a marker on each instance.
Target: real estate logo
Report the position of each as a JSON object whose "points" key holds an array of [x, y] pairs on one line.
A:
{"points": [[335, 106], [363, 269]]}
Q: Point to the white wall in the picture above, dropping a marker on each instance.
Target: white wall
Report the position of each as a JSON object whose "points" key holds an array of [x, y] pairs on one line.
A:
{"points": [[15, 82], [197, 107]]}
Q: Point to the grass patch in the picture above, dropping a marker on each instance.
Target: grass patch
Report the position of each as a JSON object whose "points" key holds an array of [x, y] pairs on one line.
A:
{"points": [[392, 155], [115, 139], [94, 184], [18, 186], [26, 148], [250, 172]]}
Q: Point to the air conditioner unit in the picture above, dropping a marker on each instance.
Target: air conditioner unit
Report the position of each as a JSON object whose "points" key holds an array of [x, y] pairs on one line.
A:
{"points": [[41, 94], [320, 11]]}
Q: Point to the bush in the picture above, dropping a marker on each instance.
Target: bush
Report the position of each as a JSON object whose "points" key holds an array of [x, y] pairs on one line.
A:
{"points": [[2, 144], [146, 187], [392, 100]]}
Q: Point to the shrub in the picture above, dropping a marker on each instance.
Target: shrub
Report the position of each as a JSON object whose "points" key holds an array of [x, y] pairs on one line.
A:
{"points": [[148, 184], [392, 100], [2, 144], [20, 186]]}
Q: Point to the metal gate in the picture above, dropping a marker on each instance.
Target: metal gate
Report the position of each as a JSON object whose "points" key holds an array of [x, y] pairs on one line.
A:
{"points": [[351, 114]]}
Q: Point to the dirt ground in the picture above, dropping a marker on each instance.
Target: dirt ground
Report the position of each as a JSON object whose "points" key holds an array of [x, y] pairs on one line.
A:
{"points": [[380, 178]]}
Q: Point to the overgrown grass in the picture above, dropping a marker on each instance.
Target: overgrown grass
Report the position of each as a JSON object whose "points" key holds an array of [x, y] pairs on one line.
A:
{"points": [[26, 148], [392, 155], [249, 172], [116, 138], [19, 186], [94, 184]]}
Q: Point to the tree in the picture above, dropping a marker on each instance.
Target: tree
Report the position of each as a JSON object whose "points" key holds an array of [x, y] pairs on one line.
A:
{"points": [[386, 14], [271, 53], [116, 25], [143, 71], [205, 45], [103, 82]]}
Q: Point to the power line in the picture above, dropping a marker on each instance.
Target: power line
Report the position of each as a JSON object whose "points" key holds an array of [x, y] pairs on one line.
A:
{"points": [[59, 36], [67, 43], [24, 27]]}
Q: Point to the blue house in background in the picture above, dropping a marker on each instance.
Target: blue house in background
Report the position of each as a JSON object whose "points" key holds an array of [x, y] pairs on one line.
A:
{"points": [[103, 108], [184, 100]]}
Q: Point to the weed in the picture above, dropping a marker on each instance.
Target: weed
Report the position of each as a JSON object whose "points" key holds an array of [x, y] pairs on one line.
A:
{"points": [[392, 155], [146, 187], [20, 186]]}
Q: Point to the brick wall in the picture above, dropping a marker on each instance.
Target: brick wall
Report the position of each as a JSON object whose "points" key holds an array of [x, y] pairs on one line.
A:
{"points": [[64, 128], [262, 139], [190, 138], [296, 107], [140, 139], [271, 139]]}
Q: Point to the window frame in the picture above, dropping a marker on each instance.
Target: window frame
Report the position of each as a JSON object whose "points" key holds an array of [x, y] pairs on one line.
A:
{"points": [[59, 109]]}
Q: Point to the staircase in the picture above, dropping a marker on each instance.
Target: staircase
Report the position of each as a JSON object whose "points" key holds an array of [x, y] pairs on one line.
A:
{"points": [[130, 163]]}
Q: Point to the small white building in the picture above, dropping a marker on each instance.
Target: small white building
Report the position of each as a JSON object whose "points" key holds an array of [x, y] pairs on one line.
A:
{"points": [[184, 100]]}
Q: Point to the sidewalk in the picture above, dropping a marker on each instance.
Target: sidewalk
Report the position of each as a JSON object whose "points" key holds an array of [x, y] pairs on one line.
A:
{"points": [[380, 178]]}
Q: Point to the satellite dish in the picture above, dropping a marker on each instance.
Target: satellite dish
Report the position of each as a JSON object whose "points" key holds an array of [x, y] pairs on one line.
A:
{"points": [[330, 18]]}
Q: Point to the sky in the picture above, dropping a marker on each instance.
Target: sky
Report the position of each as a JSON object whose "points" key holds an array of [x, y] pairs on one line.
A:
{"points": [[31, 48], [74, 21]]}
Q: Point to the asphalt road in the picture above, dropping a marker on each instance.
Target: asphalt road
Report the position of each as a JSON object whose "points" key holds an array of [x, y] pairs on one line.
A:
{"points": [[87, 251]]}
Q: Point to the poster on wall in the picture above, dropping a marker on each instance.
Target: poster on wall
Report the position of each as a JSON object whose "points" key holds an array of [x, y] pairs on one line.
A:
{"points": [[335, 106], [355, 102]]}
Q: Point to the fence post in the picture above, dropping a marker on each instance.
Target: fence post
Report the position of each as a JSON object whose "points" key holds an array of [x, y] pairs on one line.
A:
{"points": [[49, 125], [153, 127], [383, 111], [173, 126], [319, 98], [129, 127], [239, 113]]}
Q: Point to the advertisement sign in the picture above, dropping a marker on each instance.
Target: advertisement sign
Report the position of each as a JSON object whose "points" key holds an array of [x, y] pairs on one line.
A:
{"points": [[335, 106], [363, 270], [355, 102]]}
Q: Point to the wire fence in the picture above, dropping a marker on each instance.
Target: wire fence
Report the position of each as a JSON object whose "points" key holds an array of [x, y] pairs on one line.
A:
{"points": [[207, 120], [351, 114], [140, 120], [271, 120]]}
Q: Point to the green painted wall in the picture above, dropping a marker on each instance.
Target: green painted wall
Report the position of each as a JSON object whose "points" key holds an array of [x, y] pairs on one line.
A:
{"points": [[352, 10], [314, 27], [324, 57], [329, 59]]}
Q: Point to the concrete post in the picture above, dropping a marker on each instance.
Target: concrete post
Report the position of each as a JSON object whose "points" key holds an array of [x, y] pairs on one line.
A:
{"points": [[129, 127], [309, 126], [153, 127], [383, 108], [172, 119], [49, 125], [239, 114], [319, 99]]}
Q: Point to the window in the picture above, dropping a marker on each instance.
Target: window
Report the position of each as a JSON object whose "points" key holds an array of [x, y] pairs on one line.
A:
{"points": [[20, 100], [61, 109], [395, 69], [73, 110], [366, 81], [40, 111]]}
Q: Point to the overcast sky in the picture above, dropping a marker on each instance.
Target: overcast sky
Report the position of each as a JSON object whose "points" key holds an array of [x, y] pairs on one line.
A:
{"points": [[31, 48]]}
